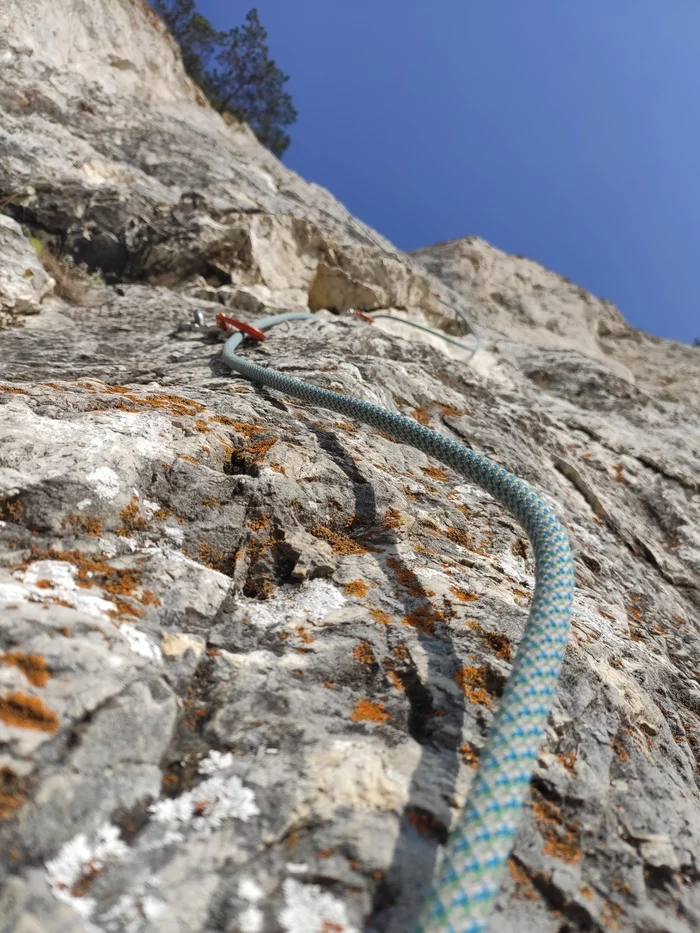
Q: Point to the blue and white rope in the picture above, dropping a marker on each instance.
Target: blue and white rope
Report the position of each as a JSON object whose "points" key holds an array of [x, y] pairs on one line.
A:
{"points": [[470, 873]]}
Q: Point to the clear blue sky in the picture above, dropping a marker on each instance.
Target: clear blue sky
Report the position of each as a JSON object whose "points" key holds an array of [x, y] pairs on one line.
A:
{"points": [[566, 131]]}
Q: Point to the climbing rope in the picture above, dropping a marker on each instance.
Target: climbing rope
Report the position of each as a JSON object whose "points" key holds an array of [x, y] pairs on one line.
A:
{"points": [[468, 879]]}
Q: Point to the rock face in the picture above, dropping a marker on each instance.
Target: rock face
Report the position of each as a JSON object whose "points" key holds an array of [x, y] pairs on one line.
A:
{"points": [[23, 281], [516, 297], [234, 629]]}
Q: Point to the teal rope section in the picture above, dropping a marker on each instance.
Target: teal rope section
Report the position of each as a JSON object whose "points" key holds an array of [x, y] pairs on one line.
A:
{"points": [[469, 876]]}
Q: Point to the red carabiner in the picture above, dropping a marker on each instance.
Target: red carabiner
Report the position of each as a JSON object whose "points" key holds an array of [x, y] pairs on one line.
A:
{"points": [[224, 322]]}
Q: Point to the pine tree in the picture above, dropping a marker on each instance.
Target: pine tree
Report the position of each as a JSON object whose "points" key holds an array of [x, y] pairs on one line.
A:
{"points": [[234, 69], [248, 83]]}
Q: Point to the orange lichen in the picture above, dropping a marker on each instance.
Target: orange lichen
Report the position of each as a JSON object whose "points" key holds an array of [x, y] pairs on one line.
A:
{"points": [[363, 653], [95, 571], [395, 680], [325, 853], [448, 411], [367, 711], [132, 519], [356, 588], [421, 415], [12, 793], [462, 595], [436, 473], [33, 666], [339, 542], [564, 845], [423, 618], [472, 682], [11, 510], [258, 524], [210, 557], [200, 425], [44, 584], [172, 404], [55, 601], [256, 451], [463, 539], [411, 494], [407, 579], [430, 527], [500, 644], [610, 915], [328, 684], [27, 712], [90, 524], [12, 390], [619, 886], [379, 616], [211, 502], [522, 881], [304, 634], [469, 755], [546, 812], [619, 475], [392, 519], [560, 841], [149, 598], [162, 513], [402, 653], [242, 427], [567, 760]]}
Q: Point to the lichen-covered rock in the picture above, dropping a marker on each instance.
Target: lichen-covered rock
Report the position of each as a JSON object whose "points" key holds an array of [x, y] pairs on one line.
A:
{"points": [[250, 651]]}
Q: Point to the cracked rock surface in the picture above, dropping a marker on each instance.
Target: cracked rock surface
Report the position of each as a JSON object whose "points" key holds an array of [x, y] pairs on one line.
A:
{"points": [[249, 651]]}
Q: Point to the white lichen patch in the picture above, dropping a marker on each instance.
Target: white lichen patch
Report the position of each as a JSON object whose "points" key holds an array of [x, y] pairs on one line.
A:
{"points": [[251, 920], [311, 601], [140, 643], [432, 576], [250, 890], [177, 534], [222, 797], [79, 859], [105, 482], [514, 567], [310, 909], [46, 581]]}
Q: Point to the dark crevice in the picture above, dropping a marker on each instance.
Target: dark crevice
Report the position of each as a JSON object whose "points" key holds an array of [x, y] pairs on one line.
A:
{"points": [[420, 702]]}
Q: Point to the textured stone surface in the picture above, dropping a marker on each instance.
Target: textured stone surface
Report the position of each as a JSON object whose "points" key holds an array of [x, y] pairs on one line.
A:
{"points": [[23, 281], [518, 298], [231, 625]]}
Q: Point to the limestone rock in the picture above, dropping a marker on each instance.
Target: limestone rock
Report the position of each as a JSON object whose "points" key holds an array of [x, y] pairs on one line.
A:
{"points": [[23, 281], [231, 626], [518, 298]]}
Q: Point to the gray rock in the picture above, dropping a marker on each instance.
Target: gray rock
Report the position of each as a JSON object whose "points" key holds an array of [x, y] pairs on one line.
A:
{"points": [[23, 281], [231, 624]]}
